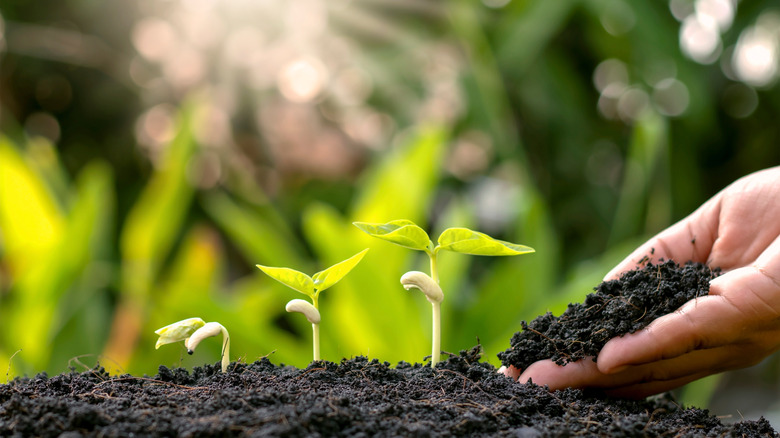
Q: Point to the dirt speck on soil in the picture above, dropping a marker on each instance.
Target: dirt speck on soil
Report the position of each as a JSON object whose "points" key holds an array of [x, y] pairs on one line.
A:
{"points": [[618, 307]]}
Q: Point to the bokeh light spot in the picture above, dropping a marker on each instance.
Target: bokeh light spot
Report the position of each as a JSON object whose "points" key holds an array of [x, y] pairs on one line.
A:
{"points": [[302, 80], [632, 104], [671, 97], [185, 69], [610, 73], [755, 56], [720, 11], [154, 38], [739, 100], [155, 128], [700, 39], [681, 8], [617, 17], [42, 124]]}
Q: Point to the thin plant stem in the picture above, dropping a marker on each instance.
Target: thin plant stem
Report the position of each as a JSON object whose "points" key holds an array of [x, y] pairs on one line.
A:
{"points": [[436, 316], [225, 349], [436, 326], [315, 328], [316, 340], [434, 269]]}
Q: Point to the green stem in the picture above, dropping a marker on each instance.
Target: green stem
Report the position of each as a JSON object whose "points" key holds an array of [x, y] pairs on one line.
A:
{"points": [[315, 328], [225, 349], [316, 340], [436, 346], [434, 269], [436, 319]]}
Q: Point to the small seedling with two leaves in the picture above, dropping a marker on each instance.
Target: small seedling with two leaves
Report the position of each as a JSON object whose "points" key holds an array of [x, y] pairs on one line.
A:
{"points": [[463, 240], [311, 287], [192, 331]]}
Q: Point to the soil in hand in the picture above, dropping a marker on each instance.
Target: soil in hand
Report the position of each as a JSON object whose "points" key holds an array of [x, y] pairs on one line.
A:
{"points": [[620, 306]]}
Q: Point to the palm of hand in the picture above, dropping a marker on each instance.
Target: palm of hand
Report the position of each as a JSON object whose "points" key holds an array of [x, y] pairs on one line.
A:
{"points": [[735, 326]]}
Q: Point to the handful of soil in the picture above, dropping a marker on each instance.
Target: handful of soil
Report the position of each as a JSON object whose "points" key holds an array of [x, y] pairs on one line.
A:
{"points": [[618, 307]]}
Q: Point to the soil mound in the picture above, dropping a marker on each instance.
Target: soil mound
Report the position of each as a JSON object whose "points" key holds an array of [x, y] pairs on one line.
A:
{"points": [[357, 397]]}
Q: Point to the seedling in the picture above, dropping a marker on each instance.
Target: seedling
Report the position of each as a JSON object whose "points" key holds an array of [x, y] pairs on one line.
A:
{"points": [[463, 240], [311, 287], [192, 331]]}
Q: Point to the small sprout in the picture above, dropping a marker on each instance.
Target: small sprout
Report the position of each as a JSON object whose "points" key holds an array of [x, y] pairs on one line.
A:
{"points": [[178, 331], [421, 280], [305, 307], [192, 331], [432, 291], [463, 240], [311, 287]]}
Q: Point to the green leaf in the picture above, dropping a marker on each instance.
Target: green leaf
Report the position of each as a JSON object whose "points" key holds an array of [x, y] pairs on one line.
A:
{"points": [[328, 277], [178, 331], [291, 278], [401, 232], [467, 241]]}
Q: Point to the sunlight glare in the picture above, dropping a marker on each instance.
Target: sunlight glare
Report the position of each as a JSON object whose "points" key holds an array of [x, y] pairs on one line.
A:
{"points": [[755, 57], [700, 39], [721, 11], [155, 39], [303, 79]]}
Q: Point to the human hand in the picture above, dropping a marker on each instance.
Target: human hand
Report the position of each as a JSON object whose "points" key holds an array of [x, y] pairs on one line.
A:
{"points": [[735, 326]]}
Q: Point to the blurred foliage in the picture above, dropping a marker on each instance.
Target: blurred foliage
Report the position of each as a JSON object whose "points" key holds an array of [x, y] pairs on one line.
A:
{"points": [[153, 152]]}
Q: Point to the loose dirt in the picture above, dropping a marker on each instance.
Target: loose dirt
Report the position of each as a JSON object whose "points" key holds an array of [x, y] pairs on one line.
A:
{"points": [[461, 396]]}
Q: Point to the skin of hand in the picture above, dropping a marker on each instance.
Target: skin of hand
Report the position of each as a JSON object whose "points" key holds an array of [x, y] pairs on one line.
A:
{"points": [[735, 326]]}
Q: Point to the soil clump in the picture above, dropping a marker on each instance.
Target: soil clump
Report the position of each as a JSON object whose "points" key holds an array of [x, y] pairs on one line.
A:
{"points": [[618, 307]]}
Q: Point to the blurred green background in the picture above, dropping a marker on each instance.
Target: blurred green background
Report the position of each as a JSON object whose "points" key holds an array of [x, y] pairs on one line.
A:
{"points": [[154, 151]]}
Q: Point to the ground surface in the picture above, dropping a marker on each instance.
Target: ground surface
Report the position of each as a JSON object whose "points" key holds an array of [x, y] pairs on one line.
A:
{"points": [[462, 396], [358, 397]]}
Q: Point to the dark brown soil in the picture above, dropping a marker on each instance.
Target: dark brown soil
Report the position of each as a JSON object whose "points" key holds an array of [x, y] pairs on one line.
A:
{"points": [[462, 396], [358, 397], [620, 306]]}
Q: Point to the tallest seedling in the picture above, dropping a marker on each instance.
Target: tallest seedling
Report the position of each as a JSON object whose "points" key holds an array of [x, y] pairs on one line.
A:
{"points": [[407, 234]]}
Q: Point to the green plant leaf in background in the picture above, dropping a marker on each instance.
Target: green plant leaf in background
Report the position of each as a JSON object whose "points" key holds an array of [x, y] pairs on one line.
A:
{"points": [[467, 241], [330, 276], [402, 232], [47, 288], [148, 236], [291, 278]]}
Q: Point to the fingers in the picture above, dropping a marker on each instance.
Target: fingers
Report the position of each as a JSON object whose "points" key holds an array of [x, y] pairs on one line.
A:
{"points": [[574, 375], [586, 373], [642, 390], [510, 372], [702, 323], [637, 381]]}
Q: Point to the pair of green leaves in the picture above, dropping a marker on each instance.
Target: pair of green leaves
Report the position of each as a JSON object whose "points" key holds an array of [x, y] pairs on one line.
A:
{"points": [[312, 286], [463, 240]]}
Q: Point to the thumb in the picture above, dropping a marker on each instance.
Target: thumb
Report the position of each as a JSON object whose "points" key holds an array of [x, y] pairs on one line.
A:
{"points": [[704, 322]]}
